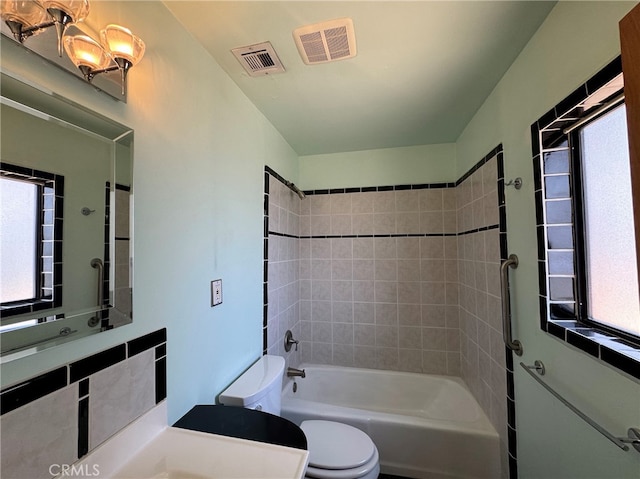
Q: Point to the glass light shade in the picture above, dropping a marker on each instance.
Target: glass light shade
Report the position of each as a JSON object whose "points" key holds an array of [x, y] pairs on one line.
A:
{"points": [[86, 52], [122, 44], [76, 9], [26, 12]]}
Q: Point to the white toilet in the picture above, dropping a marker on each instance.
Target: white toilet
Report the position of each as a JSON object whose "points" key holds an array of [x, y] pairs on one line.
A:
{"points": [[336, 450]]}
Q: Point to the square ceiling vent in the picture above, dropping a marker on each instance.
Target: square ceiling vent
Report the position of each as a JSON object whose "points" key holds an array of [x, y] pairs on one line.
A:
{"points": [[259, 59], [326, 42]]}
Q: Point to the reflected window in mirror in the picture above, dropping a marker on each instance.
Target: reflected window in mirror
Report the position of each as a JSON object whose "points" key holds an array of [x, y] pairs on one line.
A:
{"points": [[30, 234]]}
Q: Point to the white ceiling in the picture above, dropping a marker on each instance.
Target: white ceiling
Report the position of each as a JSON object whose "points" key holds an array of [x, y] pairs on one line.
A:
{"points": [[422, 69]]}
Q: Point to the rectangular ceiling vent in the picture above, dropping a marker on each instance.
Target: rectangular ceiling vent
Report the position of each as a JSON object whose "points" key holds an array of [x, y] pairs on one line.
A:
{"points": [[326, 42], [259, 59]]}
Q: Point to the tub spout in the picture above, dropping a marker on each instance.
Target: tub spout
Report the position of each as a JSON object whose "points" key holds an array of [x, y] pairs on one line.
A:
{"points": [[293, 372]]}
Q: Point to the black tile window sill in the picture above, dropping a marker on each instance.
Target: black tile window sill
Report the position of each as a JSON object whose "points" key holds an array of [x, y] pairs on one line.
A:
{"points": [[611, 349]]}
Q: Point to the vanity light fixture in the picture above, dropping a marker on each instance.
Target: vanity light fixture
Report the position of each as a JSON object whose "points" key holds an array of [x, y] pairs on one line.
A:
{"points": [[118, 49], [119, 46]]}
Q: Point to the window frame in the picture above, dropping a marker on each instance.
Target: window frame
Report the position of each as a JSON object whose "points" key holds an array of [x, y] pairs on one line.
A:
{"points": [[50, 215], [580, 241], [563, 316]]}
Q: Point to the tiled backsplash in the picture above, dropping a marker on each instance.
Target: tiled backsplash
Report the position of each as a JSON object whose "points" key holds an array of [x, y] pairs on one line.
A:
{"points": [[401, 277], [59, 416]]}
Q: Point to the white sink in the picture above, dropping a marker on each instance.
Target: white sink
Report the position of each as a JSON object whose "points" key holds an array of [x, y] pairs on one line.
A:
{"points": [[179, 453], [148, 449]]}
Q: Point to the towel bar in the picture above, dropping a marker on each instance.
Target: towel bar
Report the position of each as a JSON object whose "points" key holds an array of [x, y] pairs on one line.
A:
{"points": [[634, 433]]}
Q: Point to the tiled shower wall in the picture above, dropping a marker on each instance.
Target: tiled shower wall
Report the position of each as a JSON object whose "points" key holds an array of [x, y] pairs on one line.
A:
{"points": [[481, 246], [378, 279], [399, 278], [281, 288]]}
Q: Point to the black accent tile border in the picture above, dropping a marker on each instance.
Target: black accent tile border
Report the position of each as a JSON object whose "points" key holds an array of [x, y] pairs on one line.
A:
{"points": [[147, 341], [83, 388], [513, 467], [161, 351], [161, 379], [104, 314], [512, 446], [83, 427], [85, 367], [560, 320], [37, 387], [512, 442], [368, 189], [582, 342]]}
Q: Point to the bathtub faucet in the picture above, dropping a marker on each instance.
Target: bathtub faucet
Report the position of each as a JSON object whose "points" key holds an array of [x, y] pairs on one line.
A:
{"points": [[293, 372]]}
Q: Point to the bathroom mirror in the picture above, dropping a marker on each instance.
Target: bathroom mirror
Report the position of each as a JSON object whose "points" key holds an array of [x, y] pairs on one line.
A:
{"points": [[66, 187]]}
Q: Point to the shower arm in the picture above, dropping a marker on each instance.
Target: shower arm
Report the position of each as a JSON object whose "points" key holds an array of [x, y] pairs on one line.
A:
{"points": [[295, 189]]}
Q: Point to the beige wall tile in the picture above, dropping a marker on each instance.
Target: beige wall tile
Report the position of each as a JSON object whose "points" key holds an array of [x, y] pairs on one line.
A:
{"points": [[363, 248], [384, 202], [340, 204], [431, 199], [407, 200], [364, 313], [362, 224], [362, 203]]}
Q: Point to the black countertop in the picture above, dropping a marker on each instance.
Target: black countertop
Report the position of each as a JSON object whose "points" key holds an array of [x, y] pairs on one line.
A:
{"points": [[243, 423]]}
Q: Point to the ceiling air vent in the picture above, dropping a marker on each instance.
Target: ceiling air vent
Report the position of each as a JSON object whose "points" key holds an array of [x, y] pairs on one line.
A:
{"points": [[259, 59], [326, 42]]}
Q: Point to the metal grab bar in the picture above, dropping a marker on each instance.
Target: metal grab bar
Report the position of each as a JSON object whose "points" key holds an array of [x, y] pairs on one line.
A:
{"points": [[634, 433], [512, 344], [96, 263]]}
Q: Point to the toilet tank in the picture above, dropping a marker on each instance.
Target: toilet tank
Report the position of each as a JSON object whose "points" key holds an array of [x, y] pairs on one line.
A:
{"points": [[259, 387]]}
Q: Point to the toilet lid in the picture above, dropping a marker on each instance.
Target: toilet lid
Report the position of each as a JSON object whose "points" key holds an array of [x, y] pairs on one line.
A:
{"points": [[333, 445]]}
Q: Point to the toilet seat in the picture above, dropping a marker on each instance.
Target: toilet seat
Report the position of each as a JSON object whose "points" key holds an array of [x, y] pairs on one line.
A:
{"points": [[339, 451]]}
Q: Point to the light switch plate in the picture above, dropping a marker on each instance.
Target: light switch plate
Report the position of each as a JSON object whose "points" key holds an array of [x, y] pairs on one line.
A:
{"points": [[216, 292]]}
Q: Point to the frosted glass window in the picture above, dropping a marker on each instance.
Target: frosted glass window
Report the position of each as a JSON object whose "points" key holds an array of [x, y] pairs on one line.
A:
{"points": [[18, 236], [610, 247]]}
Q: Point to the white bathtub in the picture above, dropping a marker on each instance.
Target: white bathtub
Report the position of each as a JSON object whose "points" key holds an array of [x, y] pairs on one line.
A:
{"points": [[424, 426]]}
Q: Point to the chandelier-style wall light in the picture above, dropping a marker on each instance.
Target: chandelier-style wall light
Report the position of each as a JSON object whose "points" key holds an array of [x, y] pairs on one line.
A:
{"points": [[118, 49]]}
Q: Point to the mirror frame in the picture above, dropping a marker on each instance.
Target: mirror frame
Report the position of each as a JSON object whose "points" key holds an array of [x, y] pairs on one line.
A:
{"points": [[116, 309]]}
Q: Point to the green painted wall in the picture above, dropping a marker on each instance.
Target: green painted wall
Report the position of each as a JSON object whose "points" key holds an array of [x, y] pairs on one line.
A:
{"points": [[576, 40], [198, 205], [392, 166]]}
